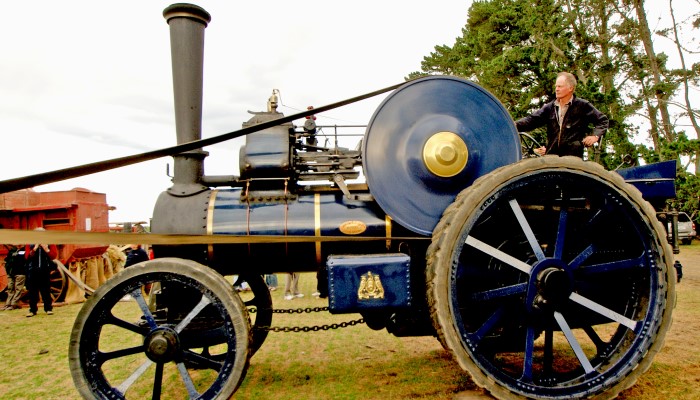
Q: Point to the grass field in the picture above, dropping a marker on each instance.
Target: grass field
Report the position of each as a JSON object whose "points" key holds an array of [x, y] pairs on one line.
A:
{"points": [[349, 363]]}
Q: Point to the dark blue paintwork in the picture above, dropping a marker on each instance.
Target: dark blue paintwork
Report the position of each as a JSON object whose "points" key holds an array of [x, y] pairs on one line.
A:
{"points": [[655, 181], [345, 273], [393, 146], [231, 216]]}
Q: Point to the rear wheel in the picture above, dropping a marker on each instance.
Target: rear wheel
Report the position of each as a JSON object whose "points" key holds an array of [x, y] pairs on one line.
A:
{"points": [[551, 278], [260, 300]]}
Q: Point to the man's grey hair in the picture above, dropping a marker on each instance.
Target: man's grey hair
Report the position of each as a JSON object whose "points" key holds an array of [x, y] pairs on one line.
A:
{"points": [[570, 78]]}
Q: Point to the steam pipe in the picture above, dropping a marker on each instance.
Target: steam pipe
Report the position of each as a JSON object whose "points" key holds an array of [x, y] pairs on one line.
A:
{"points": [[187, 23]]}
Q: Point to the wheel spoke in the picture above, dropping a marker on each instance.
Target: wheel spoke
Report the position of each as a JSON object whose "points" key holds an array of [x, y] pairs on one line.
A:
{"points": [[111, 355], [203, 302], [575, 346], [591, 305], [157, 381], [487, 326], [55, 291], [548, 356], [580, 258], [595, 338], [529, 353], [130, 326], [525, 226], [561, 233], [203, 359], [124, 386], [136, 294], [498, 254], [187, 380], [614, 265], [500, 292]]}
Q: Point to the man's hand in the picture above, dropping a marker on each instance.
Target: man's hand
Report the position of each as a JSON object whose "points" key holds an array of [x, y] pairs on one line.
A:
{"points": [[540, 150], [588, 141]]}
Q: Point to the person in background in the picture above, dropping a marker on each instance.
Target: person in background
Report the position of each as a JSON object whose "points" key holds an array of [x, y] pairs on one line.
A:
{"points": [[321, 283], [567, 119], [135, 255], [16, 267], [291, 289], [40, 263], [271, 281]]}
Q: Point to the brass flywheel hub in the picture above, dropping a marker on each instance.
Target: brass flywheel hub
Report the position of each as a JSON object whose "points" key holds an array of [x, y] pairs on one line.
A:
{"points": [[445, 154]]}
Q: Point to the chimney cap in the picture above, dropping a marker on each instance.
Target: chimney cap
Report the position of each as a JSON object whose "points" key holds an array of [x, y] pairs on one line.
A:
{"points": [[187, 11]]}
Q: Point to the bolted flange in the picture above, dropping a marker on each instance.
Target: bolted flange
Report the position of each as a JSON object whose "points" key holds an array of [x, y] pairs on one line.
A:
{"points": [[162, 345]]}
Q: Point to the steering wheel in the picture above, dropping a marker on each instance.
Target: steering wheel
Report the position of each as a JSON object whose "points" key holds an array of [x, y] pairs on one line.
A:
{"points": [[528, 144]]}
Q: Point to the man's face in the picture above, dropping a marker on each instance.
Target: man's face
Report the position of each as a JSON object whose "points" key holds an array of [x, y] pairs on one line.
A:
{"points": [[562, 89]]}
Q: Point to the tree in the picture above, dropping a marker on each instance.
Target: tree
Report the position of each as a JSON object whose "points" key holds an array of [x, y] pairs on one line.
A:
{"points": [[515, 48], [685, 75]]}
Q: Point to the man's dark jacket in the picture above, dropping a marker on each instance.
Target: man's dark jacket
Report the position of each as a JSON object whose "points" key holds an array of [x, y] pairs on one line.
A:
{"points": [[15, 264], [567, 142]]}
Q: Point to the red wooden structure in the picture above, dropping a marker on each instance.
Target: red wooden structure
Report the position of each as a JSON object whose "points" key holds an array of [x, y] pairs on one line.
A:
{"points": [[76, 210]]}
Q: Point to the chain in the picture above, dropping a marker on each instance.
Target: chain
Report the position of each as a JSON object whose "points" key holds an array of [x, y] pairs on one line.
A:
{"points": [[253, 310], [316, 328]]}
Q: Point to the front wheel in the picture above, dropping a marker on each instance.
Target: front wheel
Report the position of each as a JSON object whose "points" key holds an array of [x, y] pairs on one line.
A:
{"points": [[551, 278], [125, 346]]}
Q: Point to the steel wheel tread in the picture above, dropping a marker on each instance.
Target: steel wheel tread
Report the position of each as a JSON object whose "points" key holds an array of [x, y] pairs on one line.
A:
{"points": [[467, 204]]}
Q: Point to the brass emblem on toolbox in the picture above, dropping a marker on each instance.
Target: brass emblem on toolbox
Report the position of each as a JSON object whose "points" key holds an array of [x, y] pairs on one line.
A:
{"points": [[352, 227], [370, 287]]}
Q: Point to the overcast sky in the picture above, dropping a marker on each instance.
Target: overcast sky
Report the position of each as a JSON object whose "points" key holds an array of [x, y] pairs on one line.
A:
{"points": [[84, 81]]}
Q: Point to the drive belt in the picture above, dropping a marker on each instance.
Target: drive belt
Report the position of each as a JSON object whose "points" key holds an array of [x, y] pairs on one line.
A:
{"points": [[100, 166]]}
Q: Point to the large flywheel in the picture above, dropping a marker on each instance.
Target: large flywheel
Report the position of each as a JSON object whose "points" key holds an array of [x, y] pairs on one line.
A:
{"points": [[189, 339], [430, 139], [551, 278]]}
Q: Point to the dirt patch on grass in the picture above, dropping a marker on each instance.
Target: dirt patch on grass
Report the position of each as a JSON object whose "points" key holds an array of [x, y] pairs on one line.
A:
{"points": [[675, 373]]}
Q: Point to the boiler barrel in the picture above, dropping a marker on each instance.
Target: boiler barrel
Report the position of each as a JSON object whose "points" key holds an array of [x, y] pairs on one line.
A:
{"points": [[312, 215]]}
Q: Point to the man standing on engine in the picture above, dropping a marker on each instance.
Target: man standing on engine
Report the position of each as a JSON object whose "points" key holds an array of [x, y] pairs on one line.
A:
{"points": [[568, 120]]}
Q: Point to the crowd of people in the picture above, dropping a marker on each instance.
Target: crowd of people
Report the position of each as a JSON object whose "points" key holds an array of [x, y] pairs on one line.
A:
{"points": [[29, 267]]}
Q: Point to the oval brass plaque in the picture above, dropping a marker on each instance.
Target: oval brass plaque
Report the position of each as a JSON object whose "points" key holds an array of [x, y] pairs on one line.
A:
{"points": [[353, 227]]}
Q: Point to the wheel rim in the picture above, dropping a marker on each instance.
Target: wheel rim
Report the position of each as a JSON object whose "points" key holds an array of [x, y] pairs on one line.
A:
{"points": [[126, 349], [560, 297], [262, 302]]}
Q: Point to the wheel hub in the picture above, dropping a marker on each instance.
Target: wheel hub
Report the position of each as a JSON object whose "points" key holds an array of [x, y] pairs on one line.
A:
{"points": [[554, 286], [445, 154], [162, 345]]}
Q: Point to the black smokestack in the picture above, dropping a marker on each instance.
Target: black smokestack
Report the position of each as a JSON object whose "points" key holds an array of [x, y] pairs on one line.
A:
{"points": [[187, 23]]}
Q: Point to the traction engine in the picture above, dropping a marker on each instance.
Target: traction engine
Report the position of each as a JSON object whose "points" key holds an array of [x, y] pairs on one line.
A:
{"points": [[544, 277]]}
